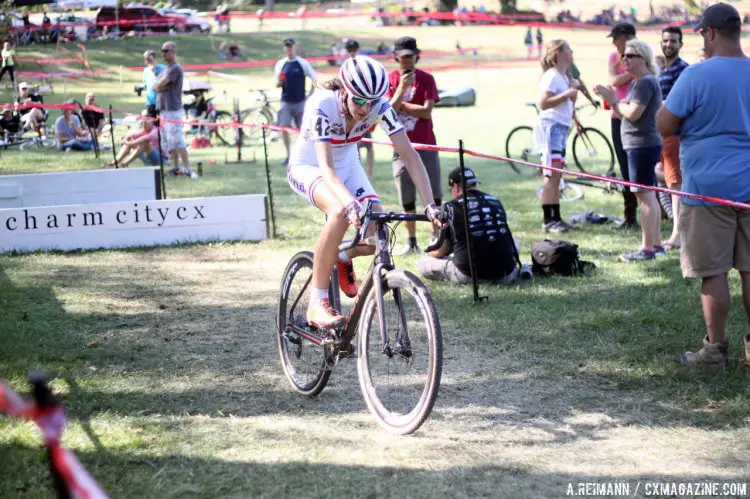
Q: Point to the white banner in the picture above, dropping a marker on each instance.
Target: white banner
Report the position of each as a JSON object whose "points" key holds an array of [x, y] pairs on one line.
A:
{"points": [[141, 223], [80, 187]]}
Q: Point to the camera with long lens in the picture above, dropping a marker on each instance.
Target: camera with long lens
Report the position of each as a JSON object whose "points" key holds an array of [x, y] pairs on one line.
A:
{"points": [[138, 89]]}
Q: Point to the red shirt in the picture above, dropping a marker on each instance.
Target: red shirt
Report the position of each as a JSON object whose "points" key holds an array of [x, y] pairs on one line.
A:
{"points": [[419, 130]]}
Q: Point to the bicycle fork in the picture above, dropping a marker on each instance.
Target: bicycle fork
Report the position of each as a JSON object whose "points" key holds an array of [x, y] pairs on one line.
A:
{"points": [[402, 346]]}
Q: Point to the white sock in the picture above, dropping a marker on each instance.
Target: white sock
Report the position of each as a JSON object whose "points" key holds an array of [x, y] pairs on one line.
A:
{"points": [[316, 296], [344, 257]]}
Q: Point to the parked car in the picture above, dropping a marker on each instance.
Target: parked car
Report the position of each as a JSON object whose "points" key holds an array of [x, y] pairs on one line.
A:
{"points": [[194, 23], [140, 18]]}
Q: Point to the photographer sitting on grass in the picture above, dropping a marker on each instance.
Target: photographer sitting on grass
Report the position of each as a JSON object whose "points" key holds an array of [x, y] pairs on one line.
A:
{"points": [[495, 257]]}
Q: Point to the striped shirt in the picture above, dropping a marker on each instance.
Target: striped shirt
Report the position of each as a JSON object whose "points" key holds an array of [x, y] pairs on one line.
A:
{"points": [[669, 75]]}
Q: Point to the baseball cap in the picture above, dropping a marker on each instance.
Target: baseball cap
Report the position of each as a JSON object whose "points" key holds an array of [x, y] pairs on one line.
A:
{"points": [[23, 85], [719, 15], [622, 29], [405, 45], [289, 41], [455, 177], [352, 45]]}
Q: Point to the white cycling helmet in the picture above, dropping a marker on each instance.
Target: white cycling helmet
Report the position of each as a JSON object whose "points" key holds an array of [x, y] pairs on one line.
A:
{"points": [[364, 77]]}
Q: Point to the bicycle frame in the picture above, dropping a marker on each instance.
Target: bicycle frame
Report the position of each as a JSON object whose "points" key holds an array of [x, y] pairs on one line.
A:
{"points": [[381, 262]]}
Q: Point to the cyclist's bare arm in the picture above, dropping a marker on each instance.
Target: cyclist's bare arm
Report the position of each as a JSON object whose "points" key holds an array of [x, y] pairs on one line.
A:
{"points": [[324, 154], [414, 166], [423, 111]]}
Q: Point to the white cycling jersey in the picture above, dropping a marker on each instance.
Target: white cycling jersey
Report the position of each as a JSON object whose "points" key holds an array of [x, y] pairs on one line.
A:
{"points": [[325, 120]]}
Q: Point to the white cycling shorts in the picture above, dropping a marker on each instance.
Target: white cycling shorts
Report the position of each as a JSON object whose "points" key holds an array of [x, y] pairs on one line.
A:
{"points": [[304, 179]]}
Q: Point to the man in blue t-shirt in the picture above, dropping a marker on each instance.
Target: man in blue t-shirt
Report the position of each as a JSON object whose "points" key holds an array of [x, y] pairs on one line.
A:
{"points": [[709, 107], [290, 73], [151, 73]]}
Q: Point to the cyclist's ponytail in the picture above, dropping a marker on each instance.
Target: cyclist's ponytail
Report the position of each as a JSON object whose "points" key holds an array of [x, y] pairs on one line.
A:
{"points": [[550, 53], [332, 84]]}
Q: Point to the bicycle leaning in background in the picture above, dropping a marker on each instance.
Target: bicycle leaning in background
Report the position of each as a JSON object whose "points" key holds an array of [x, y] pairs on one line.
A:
{"points": [[262, 113], [592, 153]]}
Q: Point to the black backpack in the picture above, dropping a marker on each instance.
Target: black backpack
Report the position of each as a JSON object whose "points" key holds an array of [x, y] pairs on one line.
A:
{"points": [[555, 257]]}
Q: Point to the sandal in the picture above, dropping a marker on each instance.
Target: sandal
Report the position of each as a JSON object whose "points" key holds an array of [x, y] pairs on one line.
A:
{"points": [[670, 246]]}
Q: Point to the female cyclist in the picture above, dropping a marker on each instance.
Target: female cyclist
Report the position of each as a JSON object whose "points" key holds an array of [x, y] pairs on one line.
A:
{"points": [[325, 170]]}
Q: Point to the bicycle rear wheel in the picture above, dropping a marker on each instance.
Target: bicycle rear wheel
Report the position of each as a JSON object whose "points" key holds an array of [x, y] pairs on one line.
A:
{"points": [[519, 145], [400, 385], [593, 153], [303, 361]]}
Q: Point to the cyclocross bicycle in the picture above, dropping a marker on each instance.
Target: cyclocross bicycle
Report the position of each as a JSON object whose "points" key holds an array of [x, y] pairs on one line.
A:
{"points": [[400, 348], [592, 150]]}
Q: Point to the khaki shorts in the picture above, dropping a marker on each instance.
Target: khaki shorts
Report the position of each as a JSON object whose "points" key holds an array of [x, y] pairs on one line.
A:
{"points": [[715, 239], [171, 133]]}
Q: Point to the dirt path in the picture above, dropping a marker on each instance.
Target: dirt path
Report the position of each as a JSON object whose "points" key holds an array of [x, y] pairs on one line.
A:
{"points": [[183, 338]]}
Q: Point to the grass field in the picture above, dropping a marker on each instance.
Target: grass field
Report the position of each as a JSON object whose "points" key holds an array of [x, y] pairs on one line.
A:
{"points": [[166, 361]]}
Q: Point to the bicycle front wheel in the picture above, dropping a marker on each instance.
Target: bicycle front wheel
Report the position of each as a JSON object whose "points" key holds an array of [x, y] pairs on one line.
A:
{"points": [[303, 361], [520, 145], [593, 153], [400, 381]]}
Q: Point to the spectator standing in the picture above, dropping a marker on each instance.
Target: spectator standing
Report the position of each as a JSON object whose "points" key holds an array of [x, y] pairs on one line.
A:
{"points": [[641, 140], [528, 40], [702, 56], [9, 63], [620, 79], [413, 94], [709, 107], [539, 42], [169, 103], [290, 73], [151, 74], [495, 257], [68, 131], [671, 43], [558, 95], [31, 117]]}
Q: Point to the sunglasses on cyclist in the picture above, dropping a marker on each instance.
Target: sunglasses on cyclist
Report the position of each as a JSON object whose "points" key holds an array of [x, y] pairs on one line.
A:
{"points": [[360, 101], [631, 56]]}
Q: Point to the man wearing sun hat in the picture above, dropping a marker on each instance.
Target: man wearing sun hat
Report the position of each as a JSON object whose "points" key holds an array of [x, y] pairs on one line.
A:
{"points": [[495, 257], [709, 108]]}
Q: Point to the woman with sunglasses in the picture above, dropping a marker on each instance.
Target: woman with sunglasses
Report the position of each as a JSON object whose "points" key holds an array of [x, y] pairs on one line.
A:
{"points": [[324, 169], [641, 140]]}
